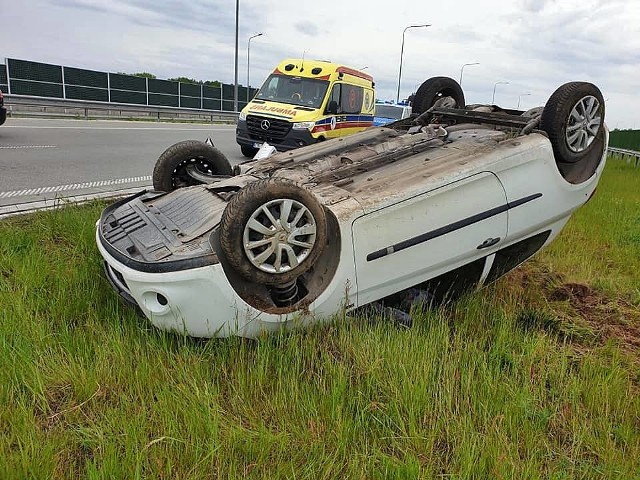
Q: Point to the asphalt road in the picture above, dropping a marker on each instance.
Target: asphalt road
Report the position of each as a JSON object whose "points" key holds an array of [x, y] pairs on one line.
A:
{"points": [[41, 159]]}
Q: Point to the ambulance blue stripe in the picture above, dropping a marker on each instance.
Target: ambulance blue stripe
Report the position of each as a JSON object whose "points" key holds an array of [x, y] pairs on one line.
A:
{"points": [[349, 118]]}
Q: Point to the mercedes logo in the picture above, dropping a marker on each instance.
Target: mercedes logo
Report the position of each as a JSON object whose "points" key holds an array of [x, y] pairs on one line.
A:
{"points": [[265, 124]]}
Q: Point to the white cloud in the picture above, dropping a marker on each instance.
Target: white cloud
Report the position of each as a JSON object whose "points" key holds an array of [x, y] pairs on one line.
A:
{"points": [[535, 45]]}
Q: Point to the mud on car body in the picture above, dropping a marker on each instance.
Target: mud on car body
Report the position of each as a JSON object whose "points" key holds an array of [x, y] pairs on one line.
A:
{"points": [[446, 200]]}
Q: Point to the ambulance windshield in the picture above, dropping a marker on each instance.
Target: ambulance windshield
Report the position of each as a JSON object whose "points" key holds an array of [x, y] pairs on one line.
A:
{"points": [[307, 92]]}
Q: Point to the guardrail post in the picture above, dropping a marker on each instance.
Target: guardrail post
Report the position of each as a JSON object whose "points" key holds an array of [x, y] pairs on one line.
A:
{"points": [[64, 89], [624, 154]]}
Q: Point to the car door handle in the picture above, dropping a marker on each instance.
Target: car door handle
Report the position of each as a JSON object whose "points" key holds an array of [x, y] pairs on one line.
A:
{"points": [[489, 242]]}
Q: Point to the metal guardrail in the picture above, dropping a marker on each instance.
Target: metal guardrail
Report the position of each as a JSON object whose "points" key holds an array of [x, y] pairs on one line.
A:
{"points": [[60, 202], [42, 106], [625, 154]]}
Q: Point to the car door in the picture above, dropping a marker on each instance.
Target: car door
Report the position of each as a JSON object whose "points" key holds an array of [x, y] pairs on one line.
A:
{"points": [[411, 241], [348, 120]]}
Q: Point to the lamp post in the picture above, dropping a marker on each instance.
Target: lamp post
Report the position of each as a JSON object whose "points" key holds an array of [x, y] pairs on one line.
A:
{"points": [[402, 52], [519, 97], [493, 97], [248, 56], [235, 84], [462, 69]]}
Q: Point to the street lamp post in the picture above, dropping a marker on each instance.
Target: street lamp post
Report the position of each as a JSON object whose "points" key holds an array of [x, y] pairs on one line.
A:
{"points": [[519, 97], [493, 97], [462, 69], [248, 56], [402, 53], [235, 85]]}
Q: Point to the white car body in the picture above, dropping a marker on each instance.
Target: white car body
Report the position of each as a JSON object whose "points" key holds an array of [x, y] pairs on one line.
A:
{"points": [[439, 206]]}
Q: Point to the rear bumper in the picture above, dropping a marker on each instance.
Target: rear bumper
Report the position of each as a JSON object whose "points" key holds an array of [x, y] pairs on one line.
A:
{"points": [[293, 139]]}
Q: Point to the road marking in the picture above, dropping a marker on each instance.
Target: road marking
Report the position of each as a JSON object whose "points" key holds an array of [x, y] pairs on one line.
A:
{"points": [[14, 147], [73, 186]]}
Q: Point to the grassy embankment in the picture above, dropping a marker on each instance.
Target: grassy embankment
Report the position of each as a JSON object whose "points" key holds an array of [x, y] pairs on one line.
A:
{"points": [[536, 376]]}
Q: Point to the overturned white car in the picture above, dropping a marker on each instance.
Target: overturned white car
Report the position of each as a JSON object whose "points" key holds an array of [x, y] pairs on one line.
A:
{"points": [[444, 201]]}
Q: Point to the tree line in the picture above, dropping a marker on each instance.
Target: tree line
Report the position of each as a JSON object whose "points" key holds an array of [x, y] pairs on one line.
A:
{"points": [[210, 83]]}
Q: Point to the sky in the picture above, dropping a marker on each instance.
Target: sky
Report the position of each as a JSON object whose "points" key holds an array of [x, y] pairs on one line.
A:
{"points": [[534, 45]]}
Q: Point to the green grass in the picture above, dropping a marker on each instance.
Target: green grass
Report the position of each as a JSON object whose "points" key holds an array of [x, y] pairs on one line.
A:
{"points": [[601, 245], [514, 381]]}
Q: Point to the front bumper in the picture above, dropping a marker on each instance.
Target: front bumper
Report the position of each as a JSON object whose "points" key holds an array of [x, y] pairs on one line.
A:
{"points": [[199, 302], [293, 139]]}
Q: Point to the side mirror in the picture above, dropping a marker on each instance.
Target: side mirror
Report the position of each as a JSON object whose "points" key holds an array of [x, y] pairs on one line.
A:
{"points": [[332, 107]]}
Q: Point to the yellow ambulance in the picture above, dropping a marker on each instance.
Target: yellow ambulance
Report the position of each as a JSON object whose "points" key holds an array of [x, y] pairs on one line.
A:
{"points": [[306, 101]]}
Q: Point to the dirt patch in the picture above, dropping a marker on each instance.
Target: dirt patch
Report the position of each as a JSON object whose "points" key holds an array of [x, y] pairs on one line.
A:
{"points": [[531, 276], [60, 401], [608, 317], [573, 291], [611, 317], [57, 398]]}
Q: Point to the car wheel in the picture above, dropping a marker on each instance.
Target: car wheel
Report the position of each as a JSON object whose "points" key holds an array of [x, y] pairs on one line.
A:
{"points": [[272, 231], [434, 89], [247, 151], [574, 118], [188, 163]]}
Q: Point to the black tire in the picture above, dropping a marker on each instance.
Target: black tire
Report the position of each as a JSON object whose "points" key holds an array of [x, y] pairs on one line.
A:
{"points": [[173, 167], [560, 121], [247, 151], [246, 205], [434, 89]]}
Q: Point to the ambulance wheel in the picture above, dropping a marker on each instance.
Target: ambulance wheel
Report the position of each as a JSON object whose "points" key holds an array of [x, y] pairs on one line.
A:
{"points": [[247, 151]]}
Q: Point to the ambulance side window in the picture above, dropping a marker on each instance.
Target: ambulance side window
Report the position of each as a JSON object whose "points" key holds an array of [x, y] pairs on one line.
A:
{"points": [[351, 98], [335, 96]]}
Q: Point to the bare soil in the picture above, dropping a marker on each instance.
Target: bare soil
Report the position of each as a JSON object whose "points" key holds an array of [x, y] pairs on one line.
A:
{"points": [[611, 318]]}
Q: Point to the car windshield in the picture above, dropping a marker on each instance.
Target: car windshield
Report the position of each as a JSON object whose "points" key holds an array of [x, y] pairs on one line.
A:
{"points": [[389, 111], [307, 92]]}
